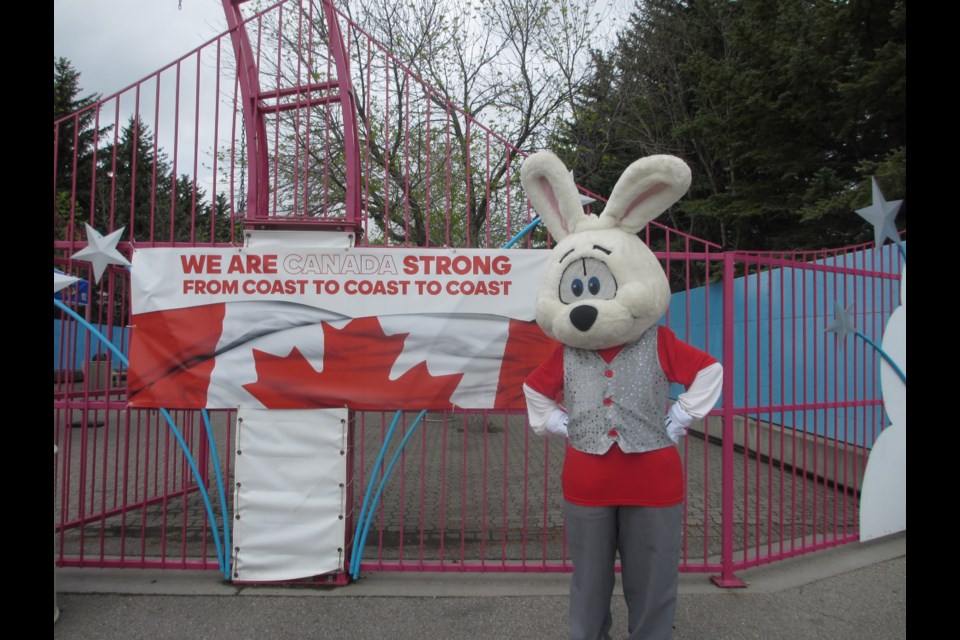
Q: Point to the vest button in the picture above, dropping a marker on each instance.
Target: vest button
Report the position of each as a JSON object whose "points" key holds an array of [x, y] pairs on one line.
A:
{"points": [[607, 401], [612, 433], [608, 373]]}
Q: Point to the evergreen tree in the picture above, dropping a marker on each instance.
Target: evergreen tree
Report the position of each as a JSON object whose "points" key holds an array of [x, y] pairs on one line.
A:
{"points": [[784, 110], [136, 189], [133, 184], [75, 137]]}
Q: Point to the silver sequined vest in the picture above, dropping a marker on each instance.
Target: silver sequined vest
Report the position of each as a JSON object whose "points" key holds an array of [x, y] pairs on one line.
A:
{"points": [[629, 396]]}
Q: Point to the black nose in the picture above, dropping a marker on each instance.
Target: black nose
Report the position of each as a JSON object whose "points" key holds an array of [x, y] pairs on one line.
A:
{"points": [[583, 316]]}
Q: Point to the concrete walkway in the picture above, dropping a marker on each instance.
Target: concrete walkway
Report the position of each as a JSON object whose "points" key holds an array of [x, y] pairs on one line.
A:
{"points": [[850, 592]]}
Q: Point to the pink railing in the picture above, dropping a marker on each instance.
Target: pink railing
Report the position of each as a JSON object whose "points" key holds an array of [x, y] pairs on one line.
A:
{"points": [[804, 409], [773, 473]]}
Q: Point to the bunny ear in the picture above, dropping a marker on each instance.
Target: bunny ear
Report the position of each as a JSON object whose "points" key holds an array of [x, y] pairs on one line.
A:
{"points": [[644, 191], [552, 192]]}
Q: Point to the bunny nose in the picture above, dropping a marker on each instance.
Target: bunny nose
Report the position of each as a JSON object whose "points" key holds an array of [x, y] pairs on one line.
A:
{"points": [[583, 317]]}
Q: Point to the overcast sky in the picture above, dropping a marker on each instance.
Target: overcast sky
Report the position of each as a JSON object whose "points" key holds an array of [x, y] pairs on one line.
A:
{"points": [[113, 43]]}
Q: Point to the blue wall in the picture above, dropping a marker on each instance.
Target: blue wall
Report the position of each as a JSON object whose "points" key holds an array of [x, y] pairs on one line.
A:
{"points": [[78, 339], [782, 352]]}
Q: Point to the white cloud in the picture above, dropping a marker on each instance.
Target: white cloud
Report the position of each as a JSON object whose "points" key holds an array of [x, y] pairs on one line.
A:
{"points": [[114, 43]]}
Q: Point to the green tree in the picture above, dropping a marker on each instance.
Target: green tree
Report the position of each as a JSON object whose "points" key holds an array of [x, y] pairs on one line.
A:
{"points": [[75, 138], [133, 184], [136, 189], [783, 110]]}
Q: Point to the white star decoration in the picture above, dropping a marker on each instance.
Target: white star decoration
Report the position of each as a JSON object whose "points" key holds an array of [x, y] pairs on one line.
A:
{"points": [[62, 280], [842, 323], [881, 215], [101, 251]]}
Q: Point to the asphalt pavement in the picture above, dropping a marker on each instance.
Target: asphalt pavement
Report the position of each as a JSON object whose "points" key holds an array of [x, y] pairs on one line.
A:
{"points": [[854, 591]]}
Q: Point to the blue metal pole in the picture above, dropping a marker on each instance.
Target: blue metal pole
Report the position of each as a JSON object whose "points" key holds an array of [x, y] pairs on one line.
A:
{"points": [[355, 572], [221, 490], [357, 543], [883, 354], [527, 229], [176, 432]]}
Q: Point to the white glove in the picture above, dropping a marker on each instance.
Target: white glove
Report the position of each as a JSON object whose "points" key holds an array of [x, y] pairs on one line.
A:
{"points": [[557, 422], [677, 420]]}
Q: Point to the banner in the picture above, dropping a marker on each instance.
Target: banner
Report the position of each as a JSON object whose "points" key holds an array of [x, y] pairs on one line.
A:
{"points": [[304, 328]]}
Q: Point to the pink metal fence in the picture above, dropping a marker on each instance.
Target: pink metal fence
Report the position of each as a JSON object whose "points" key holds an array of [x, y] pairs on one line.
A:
{"points": [[322, 128], [803, 406]]}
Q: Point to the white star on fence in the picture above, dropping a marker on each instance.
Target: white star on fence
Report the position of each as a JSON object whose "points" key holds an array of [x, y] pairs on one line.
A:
{"points": [[101, 251], [881, 215]]}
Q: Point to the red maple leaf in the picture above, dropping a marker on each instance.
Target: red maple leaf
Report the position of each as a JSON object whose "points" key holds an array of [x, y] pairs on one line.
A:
{"points": [[527, 347], [356, 373]]}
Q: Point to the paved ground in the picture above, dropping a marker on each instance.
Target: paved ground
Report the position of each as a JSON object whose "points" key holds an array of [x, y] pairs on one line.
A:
{"points": [[850, 592]]}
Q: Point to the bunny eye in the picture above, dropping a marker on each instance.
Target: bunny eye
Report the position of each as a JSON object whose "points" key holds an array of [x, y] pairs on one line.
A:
{"points": [[587, 279]]}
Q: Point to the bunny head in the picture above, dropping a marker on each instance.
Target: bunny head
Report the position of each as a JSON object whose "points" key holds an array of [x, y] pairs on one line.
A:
{"points": [[602, 286]]}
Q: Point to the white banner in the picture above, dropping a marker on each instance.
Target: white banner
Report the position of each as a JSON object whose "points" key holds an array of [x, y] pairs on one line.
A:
{"points": [[350, 282], [290, 495], [287, 327]]}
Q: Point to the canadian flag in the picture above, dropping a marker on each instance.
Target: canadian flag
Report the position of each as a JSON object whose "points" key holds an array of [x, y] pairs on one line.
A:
{"points": [[284, 354]]}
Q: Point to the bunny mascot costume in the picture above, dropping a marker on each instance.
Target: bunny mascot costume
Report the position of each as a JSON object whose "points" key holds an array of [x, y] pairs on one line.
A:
{"points": [[602, 294]]}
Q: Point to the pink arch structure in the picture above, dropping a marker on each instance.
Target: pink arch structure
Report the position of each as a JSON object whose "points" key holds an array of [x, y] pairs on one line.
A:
{"points": [[300, 96]]}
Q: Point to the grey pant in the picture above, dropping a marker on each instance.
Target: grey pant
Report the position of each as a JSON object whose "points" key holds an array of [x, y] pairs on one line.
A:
{"points": [[648, 539]]}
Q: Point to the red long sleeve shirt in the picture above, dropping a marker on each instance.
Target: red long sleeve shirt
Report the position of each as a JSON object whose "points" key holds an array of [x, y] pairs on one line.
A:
{"points": [[651, 478]]}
